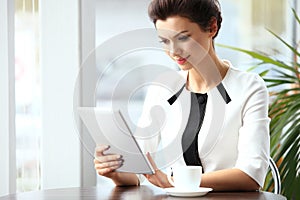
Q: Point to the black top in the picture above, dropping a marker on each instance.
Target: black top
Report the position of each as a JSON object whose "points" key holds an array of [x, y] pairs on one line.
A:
{"points": [[190, 135]]}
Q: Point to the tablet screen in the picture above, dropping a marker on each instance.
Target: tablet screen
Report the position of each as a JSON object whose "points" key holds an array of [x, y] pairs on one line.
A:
{"points": [[110, 128]]}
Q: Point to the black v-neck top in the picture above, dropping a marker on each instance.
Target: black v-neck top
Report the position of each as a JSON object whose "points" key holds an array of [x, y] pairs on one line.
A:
{"points": [[189, 139]]}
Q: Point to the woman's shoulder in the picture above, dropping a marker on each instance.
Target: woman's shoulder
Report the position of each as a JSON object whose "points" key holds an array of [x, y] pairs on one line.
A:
{"points": [[243, 84], [243, 78]]}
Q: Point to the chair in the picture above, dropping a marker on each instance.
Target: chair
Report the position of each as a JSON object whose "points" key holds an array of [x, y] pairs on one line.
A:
{"points": [[276, 176]]}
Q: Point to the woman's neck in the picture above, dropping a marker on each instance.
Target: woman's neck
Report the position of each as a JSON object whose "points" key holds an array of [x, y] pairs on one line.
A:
{"points": [[207, 74]]}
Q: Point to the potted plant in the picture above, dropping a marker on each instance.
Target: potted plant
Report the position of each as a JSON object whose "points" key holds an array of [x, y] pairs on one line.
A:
{"points": [[284, 111]]}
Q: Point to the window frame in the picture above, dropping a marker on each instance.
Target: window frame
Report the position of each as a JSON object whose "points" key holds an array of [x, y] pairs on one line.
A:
{"points": [[7, 103]]}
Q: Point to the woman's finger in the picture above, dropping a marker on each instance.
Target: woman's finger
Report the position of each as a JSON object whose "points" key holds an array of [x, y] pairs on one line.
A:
{"points": [[108, 164], [108, 158], [100, 149], [101, 157], [151, 161], [106, 171]]}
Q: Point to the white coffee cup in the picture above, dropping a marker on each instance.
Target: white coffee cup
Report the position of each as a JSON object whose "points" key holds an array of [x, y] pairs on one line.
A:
{"points": [[186, 177]]}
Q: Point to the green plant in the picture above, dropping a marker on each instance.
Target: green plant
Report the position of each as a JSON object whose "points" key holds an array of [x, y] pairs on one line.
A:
{"points": [[284, 110]]}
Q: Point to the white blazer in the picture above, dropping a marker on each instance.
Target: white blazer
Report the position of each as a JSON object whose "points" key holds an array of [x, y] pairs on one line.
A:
{"points": [[233, 135]]}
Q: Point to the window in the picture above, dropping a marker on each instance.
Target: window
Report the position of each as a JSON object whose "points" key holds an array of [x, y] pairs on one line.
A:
{"points": [[27, 94], [43, 113]]}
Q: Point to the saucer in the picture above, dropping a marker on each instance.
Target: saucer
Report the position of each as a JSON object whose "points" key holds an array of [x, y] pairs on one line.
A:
{"points": [[201, 191]]}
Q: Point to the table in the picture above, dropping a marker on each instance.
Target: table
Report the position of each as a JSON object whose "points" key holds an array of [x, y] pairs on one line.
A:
{"points": [[132, 193]]}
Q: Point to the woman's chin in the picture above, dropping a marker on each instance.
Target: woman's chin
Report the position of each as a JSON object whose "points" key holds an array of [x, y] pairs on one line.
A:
{"points": [[184, 67]]}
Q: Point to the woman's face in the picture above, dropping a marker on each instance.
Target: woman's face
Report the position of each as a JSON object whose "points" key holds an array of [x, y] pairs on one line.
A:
{"points": [[184, 41]]}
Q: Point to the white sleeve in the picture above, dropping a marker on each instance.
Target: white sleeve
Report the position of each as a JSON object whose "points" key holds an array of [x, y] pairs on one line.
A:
{"points": [[254, 139]]}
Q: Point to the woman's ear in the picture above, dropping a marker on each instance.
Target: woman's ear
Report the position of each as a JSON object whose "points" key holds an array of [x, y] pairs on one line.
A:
{"points": [[213, 27]]}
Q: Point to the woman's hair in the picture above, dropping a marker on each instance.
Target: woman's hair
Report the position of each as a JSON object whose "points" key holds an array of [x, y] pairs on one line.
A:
{"points": [[201, 12]]}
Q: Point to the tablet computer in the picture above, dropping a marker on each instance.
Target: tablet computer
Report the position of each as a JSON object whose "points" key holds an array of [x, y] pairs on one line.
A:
{"points": [[110, 128]]}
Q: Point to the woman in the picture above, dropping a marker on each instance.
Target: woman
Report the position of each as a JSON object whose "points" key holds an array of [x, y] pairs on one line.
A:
{"points": [[234, 157]]}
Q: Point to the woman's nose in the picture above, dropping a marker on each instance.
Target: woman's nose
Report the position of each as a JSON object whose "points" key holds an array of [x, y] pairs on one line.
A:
{"points": [[175, 49]]}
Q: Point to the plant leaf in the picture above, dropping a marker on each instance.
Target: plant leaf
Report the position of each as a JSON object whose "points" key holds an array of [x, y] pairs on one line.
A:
{"points": [[264, 73], [294, 50], [281, 81], [263, 58], [295, 15], [283, 74]]}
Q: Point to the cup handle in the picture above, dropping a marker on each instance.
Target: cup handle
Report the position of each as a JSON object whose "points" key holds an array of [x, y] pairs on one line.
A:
{"points": [[169, 176]]}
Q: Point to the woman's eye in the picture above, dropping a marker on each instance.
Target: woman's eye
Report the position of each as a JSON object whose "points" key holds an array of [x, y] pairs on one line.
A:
{"points": [[164, 41], [183, 37]]}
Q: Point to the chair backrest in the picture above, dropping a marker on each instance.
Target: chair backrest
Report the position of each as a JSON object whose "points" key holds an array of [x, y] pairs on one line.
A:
{"points": [[276, 176]]}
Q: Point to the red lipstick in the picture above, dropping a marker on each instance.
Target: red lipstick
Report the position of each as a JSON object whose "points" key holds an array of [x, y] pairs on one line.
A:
{"points": [[181, 61]]}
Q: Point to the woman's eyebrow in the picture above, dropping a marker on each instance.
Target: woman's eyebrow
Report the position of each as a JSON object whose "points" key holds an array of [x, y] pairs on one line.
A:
{"points": [[185, 31], [176, 35], [161, 37]]}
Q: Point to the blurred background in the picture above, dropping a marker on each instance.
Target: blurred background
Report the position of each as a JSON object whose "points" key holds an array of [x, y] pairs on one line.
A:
{"points": [[52, 39]]}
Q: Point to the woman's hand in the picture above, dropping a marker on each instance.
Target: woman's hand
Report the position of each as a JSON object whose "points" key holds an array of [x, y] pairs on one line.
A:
{"points": [[106, 164], [158, 178]]}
